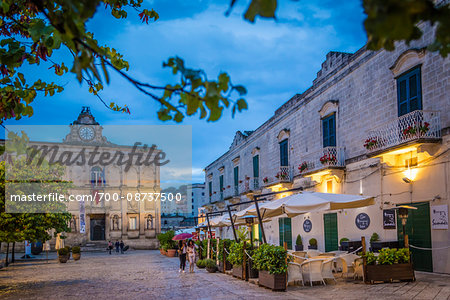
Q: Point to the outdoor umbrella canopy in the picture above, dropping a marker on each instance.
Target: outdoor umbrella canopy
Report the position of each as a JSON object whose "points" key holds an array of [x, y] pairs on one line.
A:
{"points": [[305, 202], [182, 236]]}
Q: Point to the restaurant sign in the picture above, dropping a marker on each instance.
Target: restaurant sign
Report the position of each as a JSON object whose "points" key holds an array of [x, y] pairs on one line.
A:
{"points": [[439, 216], [362, 221], [389, 219], [307, 225]]}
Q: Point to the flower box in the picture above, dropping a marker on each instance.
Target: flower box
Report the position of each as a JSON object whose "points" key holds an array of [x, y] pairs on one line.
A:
{"points": [[389, 273], [276, 282]]}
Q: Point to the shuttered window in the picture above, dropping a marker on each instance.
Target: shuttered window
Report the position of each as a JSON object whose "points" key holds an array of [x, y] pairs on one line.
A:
{"points": [[256, 166], [409, 92], [329, 131], [285, 231], [236, 176], [284, 158]]}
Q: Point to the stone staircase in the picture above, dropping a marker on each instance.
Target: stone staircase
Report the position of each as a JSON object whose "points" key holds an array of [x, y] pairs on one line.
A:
{"points": [[95, 246]]}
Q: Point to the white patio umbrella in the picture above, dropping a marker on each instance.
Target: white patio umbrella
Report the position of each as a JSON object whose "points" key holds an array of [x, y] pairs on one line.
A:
{"points": [[305, 202]]}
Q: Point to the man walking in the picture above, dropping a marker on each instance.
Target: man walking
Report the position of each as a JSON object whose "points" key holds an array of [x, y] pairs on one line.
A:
{"points": [[117, 244], [121, 246]]}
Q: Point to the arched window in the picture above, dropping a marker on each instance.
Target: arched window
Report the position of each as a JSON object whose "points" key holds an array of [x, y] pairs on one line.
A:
{"points": [[97, 177]]}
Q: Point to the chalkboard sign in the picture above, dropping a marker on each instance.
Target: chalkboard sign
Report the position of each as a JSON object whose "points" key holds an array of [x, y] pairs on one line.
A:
{"points": [[389, 219], [307, 225], [362, 221]]}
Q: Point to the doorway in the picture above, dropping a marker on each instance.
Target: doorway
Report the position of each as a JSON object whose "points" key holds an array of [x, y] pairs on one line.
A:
{"points": [[330, 228], [97, 228], [285, 230], [418, 229]]}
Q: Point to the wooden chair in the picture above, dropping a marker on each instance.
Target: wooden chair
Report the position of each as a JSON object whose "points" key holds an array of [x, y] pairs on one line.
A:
{"points": [[312, 271], [295, 273], [327, 269]]}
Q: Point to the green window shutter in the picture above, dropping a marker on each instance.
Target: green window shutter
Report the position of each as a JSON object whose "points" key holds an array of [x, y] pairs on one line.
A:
{"points": [[256, 166], [284, 158], [281, 230], [236, 176], [329, 131], [210, 190], [221, 183], [409, 92]]}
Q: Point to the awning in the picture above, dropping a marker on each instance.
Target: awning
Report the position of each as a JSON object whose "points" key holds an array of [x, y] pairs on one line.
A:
{"points": [[305, 202]]}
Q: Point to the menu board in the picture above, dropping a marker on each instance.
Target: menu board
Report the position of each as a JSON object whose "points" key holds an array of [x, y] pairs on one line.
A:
{"points": [[362, 221], [389, 219]]}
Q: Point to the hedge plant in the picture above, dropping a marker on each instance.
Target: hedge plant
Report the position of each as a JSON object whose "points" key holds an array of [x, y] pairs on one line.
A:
{"points": [[343, 240], [222, 243], [388, 257], [236, 256], [76, 249], [299, 241], [313, 242], [271, 258], [63, 251]]}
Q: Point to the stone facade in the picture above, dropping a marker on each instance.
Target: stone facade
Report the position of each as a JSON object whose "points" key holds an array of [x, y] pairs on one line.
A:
{"points": [[360, 91]]}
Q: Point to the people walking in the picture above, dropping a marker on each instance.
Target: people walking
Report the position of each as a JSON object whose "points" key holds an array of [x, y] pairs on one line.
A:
{"points": [[191, 255], [182, 251], [110, 246], [121, 246], [117, 244]]}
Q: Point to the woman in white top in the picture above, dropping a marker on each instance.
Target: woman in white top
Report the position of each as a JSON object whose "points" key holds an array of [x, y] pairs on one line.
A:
{"points": [[191, 255]]}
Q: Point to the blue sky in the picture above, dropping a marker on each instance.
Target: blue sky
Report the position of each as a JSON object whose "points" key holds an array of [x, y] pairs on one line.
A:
{"points": [[274, 60]]}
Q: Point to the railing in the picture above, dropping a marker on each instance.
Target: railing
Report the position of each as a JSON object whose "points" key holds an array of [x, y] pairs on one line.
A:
{"points": [[248, 184], [283, 175], [328, 157], [419, 124]]}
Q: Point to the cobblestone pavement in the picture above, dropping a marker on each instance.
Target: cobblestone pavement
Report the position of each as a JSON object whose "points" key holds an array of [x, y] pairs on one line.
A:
{"points": [[149, 275]]}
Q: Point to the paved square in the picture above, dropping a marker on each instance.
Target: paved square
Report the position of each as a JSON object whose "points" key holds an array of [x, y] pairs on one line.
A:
{"points": [[149, 275]]}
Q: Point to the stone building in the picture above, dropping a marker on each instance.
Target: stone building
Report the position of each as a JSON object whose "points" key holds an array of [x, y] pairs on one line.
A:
{"points": [[375, 123], [117, 215]]}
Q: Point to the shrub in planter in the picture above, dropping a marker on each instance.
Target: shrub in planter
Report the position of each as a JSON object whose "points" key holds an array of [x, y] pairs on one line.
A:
{"points": [[225, 243], [201, 264], [210, 265], [68, 250], [375, 237], [63, 255], [342, 243], [312, 244], [76, 253], [271, 261], [299, 243], [391, 264]]}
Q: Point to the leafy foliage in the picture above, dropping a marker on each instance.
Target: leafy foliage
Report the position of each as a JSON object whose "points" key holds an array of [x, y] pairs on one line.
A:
{"points": [[26, 224], [236, 256], [165, 240], [388, 256], [387, 21], [375, 237], [343, 240], [33, 31], [299, 241], [313, 242], [209, 263], [63, 251], [224, 243], [271, 258], [201, 263], [76, 249]]}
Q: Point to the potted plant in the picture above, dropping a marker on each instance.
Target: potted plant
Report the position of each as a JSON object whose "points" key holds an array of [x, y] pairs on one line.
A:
{"points": [[423, 129], [375, 243], [272, 263], [171, 245], [201, 264], [312, 244], [236, 258], [76, 252], [63, 255], [391, 264], [265, 180], [298, 243], [210, 265], [371, 143], [303, 167], [328, 158], [68, 250], [343, 243]]}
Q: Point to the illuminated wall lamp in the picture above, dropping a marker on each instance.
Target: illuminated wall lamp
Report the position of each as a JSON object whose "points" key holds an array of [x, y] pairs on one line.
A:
{"points": [[410, 175]]}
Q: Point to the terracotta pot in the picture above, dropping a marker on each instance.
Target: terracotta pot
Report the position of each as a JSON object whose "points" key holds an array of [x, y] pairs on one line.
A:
{"points": [[171, 252], [63, 258], [76, 256]]}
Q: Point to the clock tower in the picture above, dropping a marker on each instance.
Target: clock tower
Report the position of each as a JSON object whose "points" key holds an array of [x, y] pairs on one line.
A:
{"points": [[85, 130]]}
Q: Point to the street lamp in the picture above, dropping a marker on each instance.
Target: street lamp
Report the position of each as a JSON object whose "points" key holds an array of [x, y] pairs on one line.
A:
{"points": [[249, 221], [403, 215]]}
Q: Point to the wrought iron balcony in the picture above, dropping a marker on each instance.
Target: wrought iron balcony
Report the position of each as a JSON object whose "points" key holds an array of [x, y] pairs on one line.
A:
{"points": [[248, 184], [326, 158], [283, 175], [419, 125]]}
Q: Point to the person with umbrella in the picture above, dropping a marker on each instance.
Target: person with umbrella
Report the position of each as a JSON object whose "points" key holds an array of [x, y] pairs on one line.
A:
{"points": [[182, 248]]}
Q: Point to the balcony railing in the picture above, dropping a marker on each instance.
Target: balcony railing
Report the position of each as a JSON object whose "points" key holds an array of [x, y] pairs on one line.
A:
{"points": [[283, 175], [328, 157], [248, 184], [419, 124]]}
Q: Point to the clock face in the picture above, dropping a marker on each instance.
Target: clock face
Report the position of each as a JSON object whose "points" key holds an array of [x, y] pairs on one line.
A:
{"points": [[86, 133]]}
